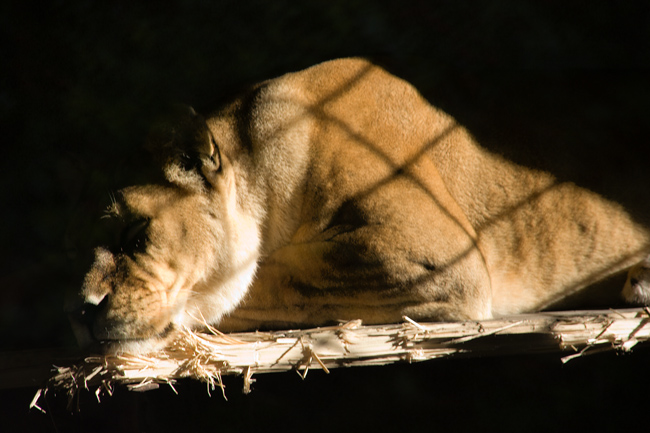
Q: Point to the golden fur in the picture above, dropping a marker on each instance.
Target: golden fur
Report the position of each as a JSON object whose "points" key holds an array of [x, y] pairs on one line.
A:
{"points": [[339, 193]]}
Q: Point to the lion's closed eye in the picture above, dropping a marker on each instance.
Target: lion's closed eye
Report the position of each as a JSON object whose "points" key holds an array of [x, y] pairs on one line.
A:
{"points": [[134, 235]]}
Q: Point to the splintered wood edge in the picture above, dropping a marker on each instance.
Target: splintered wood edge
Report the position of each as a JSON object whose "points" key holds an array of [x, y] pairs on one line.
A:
{"points": [[207, 356]]}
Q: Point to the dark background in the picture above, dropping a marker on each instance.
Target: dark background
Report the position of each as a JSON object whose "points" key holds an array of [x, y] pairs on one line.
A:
{"points": [[561, 86]]}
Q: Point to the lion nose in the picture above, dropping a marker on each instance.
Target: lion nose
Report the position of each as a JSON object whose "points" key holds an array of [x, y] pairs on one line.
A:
{"points": [[87, 313], [83, 318]]}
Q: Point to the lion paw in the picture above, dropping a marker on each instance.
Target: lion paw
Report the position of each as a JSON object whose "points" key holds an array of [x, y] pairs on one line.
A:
{"points": [[637, 286]]}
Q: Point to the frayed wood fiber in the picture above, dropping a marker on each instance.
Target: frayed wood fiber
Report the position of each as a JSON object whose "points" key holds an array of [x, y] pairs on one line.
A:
{"points": [[207, 356]]}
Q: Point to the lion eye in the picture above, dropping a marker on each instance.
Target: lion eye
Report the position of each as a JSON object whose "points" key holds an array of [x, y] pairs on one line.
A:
{"points": [[133, 236]]}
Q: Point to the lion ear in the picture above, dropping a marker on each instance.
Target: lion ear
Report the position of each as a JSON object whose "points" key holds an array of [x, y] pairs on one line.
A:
{"points": [[183, 144]]}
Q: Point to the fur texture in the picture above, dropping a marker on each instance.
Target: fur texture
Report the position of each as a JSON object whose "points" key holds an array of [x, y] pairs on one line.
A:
{"points": [[339, 193]]}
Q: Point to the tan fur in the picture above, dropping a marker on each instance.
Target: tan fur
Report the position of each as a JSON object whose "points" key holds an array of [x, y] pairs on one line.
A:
{"points": [[339, 193]]}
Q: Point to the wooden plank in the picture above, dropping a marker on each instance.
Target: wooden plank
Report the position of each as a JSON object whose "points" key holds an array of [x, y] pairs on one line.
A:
{"points": [[207, 356]]}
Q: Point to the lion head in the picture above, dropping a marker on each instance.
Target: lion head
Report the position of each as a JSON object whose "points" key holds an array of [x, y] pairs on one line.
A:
{"points": [[175, 242]]}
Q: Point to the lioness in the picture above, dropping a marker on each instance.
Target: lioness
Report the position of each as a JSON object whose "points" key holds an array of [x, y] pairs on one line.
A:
{"points": [[339, 193]]}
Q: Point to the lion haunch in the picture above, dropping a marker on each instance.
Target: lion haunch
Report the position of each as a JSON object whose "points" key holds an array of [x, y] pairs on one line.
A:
{"points": [[339, 193]]}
